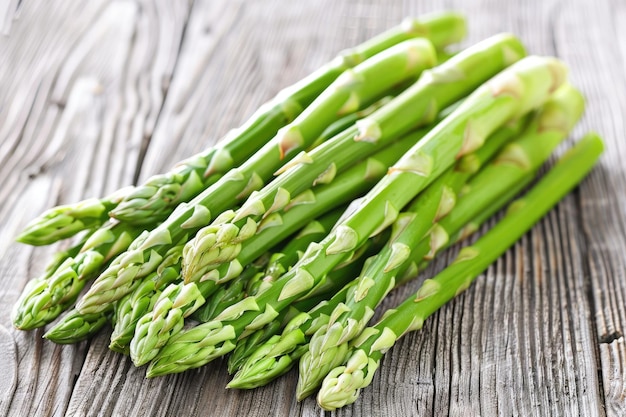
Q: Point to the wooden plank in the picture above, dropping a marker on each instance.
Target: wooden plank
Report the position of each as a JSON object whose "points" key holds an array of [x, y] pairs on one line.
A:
{"points": [[79, 94], [129, 88], [27, 149]]}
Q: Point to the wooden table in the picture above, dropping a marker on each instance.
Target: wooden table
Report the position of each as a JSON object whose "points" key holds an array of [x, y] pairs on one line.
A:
{"points": [[96, 95]]}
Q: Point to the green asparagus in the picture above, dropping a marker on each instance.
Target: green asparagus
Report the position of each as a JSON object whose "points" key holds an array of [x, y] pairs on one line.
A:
{"points": [[231, 292], [25, 314], [133, 306], [151, 333], [343, 384], [45, 298], [350, 184], [64, 221], [75, 327], [512, 93], [397, 148], [523, 156], [517, 160], [279, 354], [275, 265], [179, 301]]}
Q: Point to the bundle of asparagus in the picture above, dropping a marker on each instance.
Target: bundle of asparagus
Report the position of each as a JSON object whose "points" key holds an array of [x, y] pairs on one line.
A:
{"points": [[278, 244]]}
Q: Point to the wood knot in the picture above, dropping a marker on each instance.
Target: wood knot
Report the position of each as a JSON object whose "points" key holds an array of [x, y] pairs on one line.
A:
{"points": [[611, 337]]}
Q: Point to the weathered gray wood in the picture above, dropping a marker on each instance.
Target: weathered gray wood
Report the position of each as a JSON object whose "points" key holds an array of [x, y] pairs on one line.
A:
{"points": [[79, 92], [600, 72], [96, 95]]}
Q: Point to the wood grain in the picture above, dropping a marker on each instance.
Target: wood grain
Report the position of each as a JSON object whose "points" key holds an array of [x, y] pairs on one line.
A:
{"points": [[98, 95]]}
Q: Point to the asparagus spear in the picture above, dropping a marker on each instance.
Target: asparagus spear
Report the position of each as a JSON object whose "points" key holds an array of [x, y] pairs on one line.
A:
{"points": [[342, 385], [157, 198], [133, 306], [24, 314], [329, 345], [362, 84], [141, 301], [159, 195], [45, 298], [308, 300], [418, 105], [75, 327], [279, 353], [309, 204], [517, 161], [512, 93], [64, 221], [336, 283], [348, 120], [232, 292]]}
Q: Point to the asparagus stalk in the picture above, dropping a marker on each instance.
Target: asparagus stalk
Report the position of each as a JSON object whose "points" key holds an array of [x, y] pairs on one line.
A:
{"points": [[418, 105], [158, 196], [246, 346], [141, 302], [348, 120], [309, 300], [158, 325], [311, 204], [342, 385], [133, 306], [24, 314], [512, 93], [233, 291], [308, 205], [279, 353], [362, 84], [45, 298], [75, 327], [64, 221]]}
